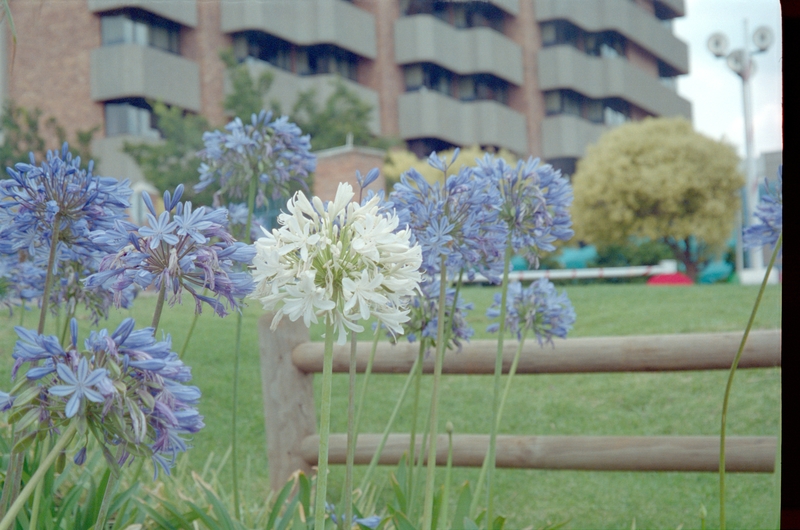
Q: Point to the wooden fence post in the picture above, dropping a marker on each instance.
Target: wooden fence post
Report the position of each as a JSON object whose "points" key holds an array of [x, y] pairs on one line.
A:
{"points": [[288, 398]]}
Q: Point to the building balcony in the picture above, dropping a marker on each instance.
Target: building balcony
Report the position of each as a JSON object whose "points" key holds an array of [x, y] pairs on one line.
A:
{"points": [[286, 86], [509, 6], [675, 8], [624, 17], [183, 12], [429, 114], [426, 39], [129, 70], [305, 22], [566, 136], [564, 67]]}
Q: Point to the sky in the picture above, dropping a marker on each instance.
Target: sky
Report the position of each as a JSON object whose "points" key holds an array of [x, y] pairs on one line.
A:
{"points": [[714, 90]]}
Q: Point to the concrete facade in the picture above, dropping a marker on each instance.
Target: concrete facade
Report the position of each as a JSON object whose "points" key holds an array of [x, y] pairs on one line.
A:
{"points": [[538, 77]]}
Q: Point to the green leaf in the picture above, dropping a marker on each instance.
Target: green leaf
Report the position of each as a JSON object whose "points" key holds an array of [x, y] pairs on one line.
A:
{"points": [[469, 524], [279, 501], [24, 443], [220, 510], [27, 396], [183, 521], [437, 507], [402, 522], [304, 493], [157, 517], [27, 420], [212, 524], [288, 515], [464, 502], [498, 523], [399, 494]]}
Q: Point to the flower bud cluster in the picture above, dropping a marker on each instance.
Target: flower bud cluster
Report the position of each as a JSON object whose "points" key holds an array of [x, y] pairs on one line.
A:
{"points": [[535, 203], [124, 388], [538, 308], [272, 151], [341, 260], [770, 215], [190, 249]]}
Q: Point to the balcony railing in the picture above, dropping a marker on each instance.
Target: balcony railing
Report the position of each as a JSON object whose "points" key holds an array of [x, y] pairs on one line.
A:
{"points": [[429, 114], [130, 70], [426, 39]]}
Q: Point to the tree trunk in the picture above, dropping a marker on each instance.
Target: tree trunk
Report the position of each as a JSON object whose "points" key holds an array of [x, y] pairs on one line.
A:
{"points": [[684, 255]]}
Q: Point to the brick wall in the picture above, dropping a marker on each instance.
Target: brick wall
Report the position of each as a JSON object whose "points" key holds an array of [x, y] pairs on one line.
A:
{"points": [[340, 165], [51, 63]]}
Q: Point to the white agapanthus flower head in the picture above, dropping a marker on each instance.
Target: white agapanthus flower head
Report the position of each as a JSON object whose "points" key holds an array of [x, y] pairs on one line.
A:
{"points": [[340, 260]]}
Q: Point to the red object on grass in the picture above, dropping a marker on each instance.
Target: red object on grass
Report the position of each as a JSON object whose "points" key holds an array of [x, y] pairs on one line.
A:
{"points": [[676, 278]]}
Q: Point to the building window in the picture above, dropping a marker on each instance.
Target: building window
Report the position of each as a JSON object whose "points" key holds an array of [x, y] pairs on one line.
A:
{"points": [[461, 14], [429, 76], [601, 44], [263, 47], [130, 117], [142, 28], [667, 75], [301, 60], [612, 111], [423, 147]]}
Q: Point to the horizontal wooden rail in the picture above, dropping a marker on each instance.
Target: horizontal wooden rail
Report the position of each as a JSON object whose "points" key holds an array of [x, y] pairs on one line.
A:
{"points": [[638, 353], [289, 362], [753, 454]]}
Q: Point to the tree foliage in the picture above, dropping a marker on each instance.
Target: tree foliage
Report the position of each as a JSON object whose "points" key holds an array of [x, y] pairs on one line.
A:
{"points": [[342, 113], [247, 95], [173, 160], [399, 161], [659, 179], [26, 131]]}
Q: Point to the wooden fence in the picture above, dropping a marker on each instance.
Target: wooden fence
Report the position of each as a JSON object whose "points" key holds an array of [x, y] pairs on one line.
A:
{"points": [[289, 361]]}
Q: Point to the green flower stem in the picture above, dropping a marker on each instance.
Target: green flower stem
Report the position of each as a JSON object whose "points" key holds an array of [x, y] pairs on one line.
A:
{"points": [[251, 200], [37, 495], [347, 494], [365, 480], [367, 373], [498, 371], [162, 292], [14, 471], [234, 466], [189, 335], [417, 484], [511, 373], [22, 313], [19, 502], [430, 478], [111, 488], [324, 426], [48, 282], [447, 476], [374, 462], [412, 449], [730, 382]]}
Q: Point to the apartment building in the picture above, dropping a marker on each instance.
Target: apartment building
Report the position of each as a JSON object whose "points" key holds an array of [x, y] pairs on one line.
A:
{"points": [[540, 77]]}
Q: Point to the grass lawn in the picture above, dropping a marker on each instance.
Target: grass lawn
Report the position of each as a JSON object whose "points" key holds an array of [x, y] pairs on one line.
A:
{"points": [[601, 404]]}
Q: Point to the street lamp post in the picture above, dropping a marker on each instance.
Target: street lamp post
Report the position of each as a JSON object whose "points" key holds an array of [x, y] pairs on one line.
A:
{"points": [[741, 62]]}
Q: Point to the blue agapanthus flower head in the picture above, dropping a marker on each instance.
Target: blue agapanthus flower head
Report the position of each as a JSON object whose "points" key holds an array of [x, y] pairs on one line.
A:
{"points": [[184, 249], [58, 197], [274, 152], [770, 217], [535, 203], [57, 193], [458, 220], [424, 316], [128, 387], [538, 308]]}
